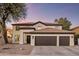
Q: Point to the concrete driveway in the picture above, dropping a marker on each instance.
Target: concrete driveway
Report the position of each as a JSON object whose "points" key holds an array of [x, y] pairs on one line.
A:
{"points": [[55, 51]]}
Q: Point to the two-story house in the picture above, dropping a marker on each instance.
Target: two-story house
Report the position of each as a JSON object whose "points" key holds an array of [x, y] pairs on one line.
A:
{"points": [[42, 34]]}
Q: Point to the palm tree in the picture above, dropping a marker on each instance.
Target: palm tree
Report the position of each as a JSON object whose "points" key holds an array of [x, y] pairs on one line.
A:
{"points": [[8, 11]]}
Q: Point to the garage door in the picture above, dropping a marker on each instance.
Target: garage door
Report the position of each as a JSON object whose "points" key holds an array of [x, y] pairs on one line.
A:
{"points": [[45, 40], [64, 40]]}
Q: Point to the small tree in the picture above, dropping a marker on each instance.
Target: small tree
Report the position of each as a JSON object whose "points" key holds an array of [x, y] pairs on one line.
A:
{"points": [[65, 22], [8, 10]]}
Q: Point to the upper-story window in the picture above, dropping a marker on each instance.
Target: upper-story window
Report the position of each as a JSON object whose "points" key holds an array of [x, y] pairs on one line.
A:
{"points": [[17, 28], [39, 27], [58, 27]]}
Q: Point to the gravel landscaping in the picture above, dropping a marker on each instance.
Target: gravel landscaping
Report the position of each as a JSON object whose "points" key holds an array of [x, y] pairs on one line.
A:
{"points": [[15, 49]]}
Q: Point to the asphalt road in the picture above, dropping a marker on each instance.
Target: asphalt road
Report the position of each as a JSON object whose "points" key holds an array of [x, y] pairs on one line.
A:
{"points": [[55, 51]]}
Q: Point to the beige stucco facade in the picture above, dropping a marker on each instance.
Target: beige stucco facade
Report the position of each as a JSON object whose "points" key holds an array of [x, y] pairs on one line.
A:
{"points": [[22, 34]]}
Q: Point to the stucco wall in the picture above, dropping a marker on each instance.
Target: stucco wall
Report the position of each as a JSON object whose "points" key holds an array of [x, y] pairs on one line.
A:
{"points": [[19, 32], [14, 34], [23, 36]]}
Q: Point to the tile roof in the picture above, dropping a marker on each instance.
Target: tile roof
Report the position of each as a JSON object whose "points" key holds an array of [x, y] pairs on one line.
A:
{"points": [[76, 30], [33, 23], [51, 30]]}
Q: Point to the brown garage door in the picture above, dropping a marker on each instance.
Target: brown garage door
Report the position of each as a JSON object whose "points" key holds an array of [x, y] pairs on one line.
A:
{"points": [[64, 40], [45, 40]]}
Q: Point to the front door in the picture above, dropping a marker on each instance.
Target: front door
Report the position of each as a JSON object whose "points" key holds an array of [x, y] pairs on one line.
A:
{"points": [[28, 39]]}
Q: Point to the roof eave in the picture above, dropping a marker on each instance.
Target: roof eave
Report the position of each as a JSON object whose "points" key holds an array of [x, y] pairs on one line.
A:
{"points": [[50, 32]]}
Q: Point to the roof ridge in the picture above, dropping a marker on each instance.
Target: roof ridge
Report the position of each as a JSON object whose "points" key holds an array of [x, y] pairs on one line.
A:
{"points": [[33, 23]]}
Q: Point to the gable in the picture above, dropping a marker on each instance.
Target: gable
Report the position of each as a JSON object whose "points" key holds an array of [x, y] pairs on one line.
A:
{"points": [[39, 26]]}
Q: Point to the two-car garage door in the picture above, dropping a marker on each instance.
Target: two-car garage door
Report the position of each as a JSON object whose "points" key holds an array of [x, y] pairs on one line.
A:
{"points": [[45, 40], [51, 40]]}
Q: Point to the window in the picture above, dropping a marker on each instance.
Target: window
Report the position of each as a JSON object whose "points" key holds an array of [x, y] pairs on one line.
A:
{"points": [[17, 28], [57, 27], [39, 27]]}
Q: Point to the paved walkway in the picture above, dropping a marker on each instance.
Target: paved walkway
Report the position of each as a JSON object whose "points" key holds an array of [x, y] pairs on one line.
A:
{"points": [[55, 51]]}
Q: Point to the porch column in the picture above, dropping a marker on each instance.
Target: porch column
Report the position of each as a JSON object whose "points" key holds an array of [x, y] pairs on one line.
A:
{"points": [[71, 40], [32, 40], [57, 40], [25, 38], [13, 38], [21, 38]]}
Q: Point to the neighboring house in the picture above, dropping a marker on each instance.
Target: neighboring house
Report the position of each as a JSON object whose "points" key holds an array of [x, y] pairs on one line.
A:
{"points": [[76, 30], [42, 34]]}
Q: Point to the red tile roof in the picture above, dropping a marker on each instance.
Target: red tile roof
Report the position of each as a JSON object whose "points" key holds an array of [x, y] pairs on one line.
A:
{"points": [[33, 23], [51, 30], [75, 29]]}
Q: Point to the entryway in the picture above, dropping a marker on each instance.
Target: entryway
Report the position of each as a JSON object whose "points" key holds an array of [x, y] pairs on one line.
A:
{"points": [[28, 39]]}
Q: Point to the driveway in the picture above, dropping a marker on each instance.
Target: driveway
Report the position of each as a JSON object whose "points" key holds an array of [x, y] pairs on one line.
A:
{"points": [[55, 51]]}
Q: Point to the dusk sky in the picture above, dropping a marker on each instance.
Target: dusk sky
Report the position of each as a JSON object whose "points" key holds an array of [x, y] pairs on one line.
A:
{"points": [[49, 12]]}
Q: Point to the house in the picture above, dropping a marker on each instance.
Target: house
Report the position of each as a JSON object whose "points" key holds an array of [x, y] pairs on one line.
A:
{"points": [[76, 30], [42, 34]]}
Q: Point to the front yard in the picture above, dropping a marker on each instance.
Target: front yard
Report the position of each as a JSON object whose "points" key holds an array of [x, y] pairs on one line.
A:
{"points": [[28, 50], [15, 49]]}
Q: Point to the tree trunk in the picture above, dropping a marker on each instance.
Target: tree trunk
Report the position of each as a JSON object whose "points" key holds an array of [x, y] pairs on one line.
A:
{"points": [[4, 32]]}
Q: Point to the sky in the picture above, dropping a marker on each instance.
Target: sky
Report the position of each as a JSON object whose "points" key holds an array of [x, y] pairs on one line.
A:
{"points": [[48, 12]]}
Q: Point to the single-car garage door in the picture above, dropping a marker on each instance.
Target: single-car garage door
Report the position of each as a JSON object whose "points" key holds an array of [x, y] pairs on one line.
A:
{"points": [[45, 40], [64, 40]]}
